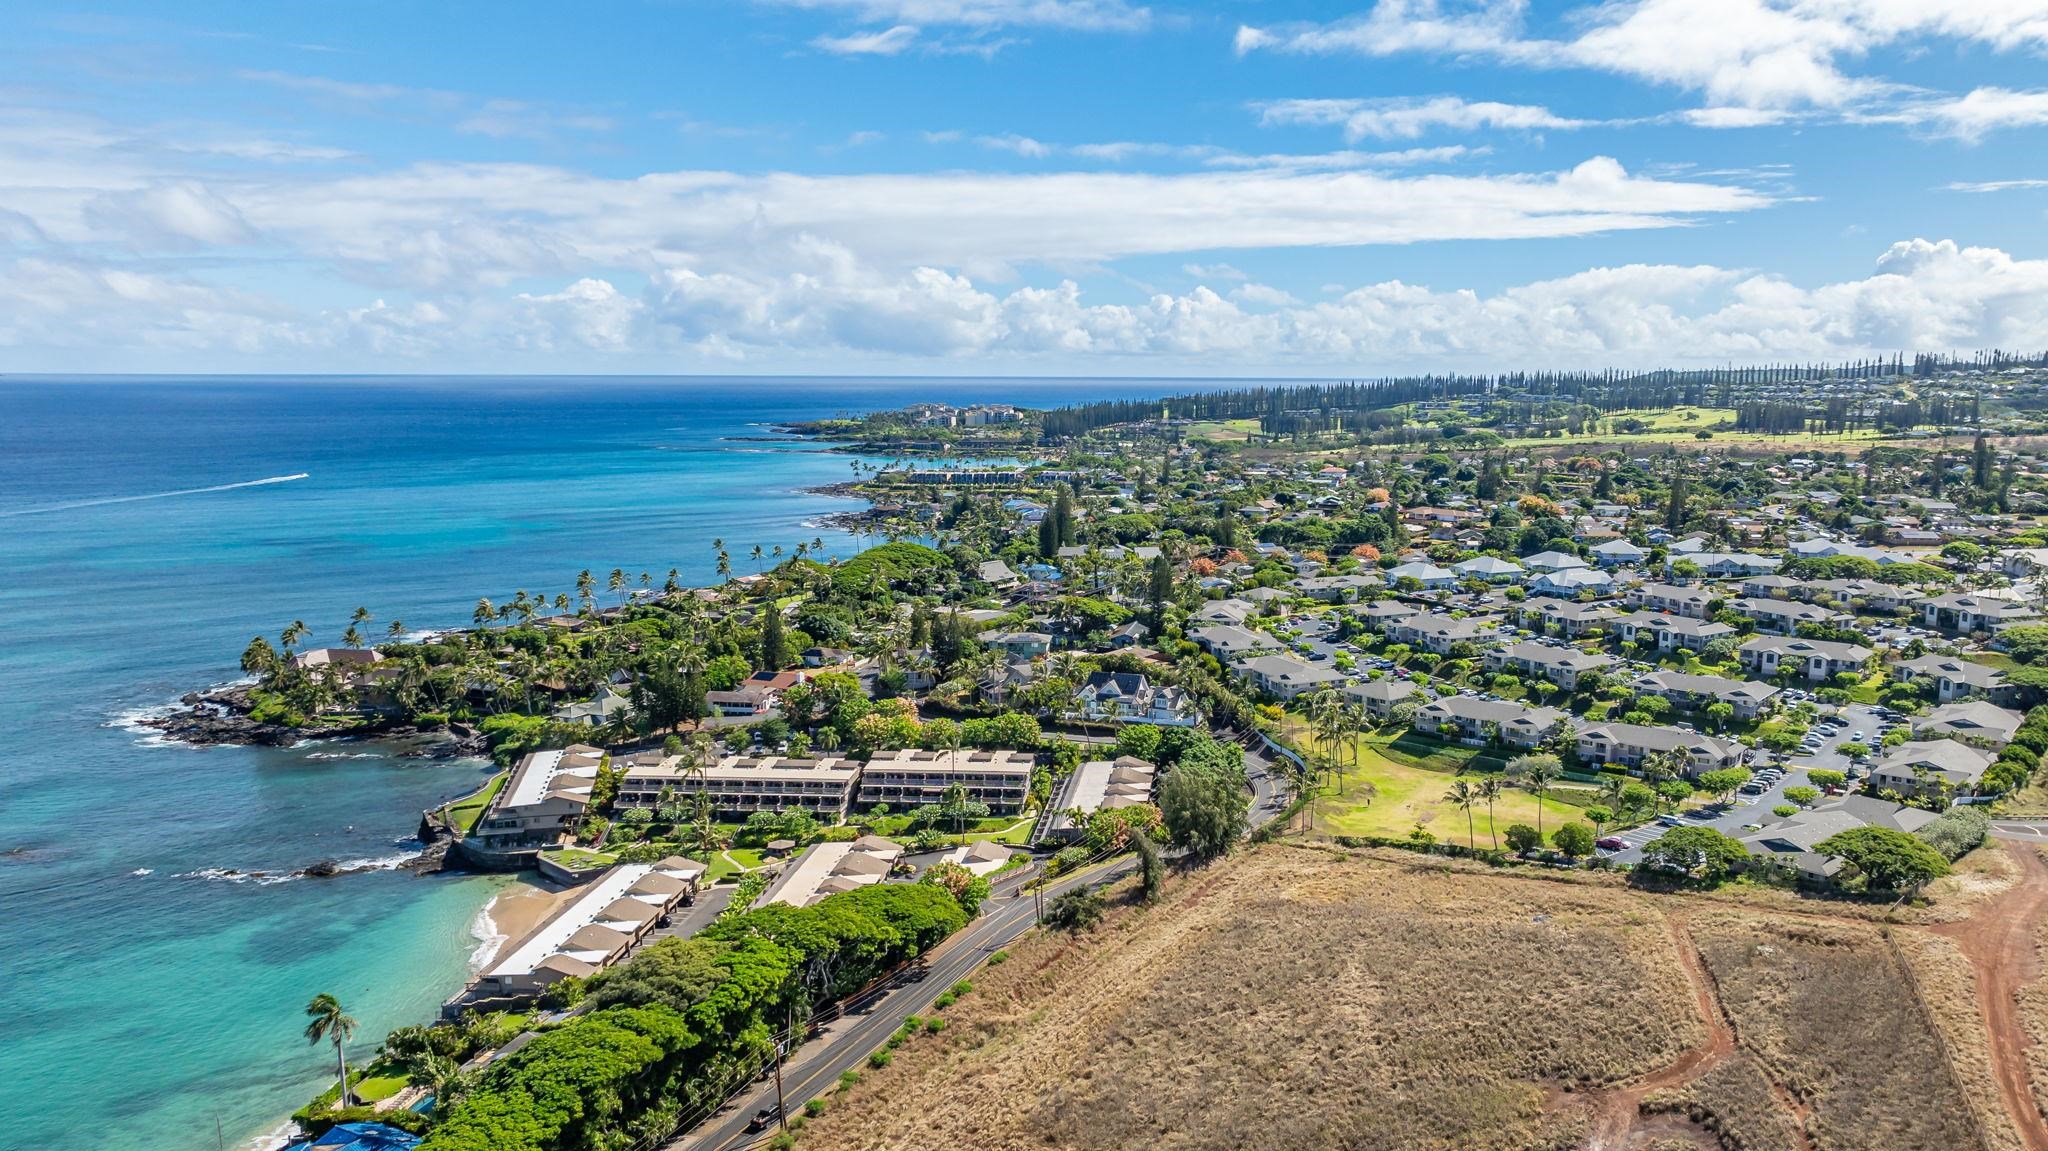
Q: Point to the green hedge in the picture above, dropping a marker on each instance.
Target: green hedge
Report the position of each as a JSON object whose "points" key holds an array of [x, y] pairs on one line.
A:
{"points": [[683, 1019]]}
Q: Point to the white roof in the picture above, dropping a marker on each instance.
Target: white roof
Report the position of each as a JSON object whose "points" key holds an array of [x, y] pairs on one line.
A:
{"points": [[548, 939]]}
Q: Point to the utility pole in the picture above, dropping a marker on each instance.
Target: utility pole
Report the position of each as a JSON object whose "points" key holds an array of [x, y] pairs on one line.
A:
{"points": [[781, 1108]]}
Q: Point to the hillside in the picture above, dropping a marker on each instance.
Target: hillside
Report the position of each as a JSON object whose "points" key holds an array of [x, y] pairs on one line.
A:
{"points": [[1304, 998]]}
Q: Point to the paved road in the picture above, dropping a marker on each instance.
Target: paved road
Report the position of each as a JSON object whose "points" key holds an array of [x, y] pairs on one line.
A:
{"points": [[1748, 809], [2024, 830], [844, 1043]]}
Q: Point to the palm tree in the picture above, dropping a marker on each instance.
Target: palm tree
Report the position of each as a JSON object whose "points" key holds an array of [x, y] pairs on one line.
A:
{"points": [[395, 628], [330, 1022], [1538, 778], [292, 635], [1463, 795], [1490, 789]]}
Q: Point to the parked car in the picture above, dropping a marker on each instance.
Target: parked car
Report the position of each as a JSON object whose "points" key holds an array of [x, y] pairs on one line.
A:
{"points": [[1611, 843], [763, 1119]]}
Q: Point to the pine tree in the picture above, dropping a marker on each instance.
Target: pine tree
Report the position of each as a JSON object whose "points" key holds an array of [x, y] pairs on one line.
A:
{"points": [[772, 654]]}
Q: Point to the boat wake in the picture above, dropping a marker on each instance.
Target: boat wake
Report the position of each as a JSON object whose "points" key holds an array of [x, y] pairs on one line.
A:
{"points": [[76, 504]]}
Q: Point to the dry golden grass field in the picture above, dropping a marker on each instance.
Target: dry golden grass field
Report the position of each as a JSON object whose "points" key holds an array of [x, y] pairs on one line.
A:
{"points": [[1299, 997]]}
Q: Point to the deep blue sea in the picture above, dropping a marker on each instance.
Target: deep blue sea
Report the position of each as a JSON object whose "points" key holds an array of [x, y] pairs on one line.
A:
{"points": [[147, 531]]}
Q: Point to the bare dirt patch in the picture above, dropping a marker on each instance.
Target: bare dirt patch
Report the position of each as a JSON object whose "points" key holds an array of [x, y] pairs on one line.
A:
{"points": [[2002, 942], [1306, 1000], [1830, 1015]]}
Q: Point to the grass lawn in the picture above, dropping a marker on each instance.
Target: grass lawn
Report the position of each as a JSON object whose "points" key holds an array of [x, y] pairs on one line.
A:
{"points": [[1411, 795], [1866, 692], [721, 869], [464, 813], [748, 857], [1225, 431], [376, 1087], [579, 859]]}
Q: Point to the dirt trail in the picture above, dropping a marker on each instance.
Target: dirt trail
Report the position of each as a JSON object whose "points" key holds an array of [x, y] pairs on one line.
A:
{"points": [[1619, 1124], [2000, 941]]}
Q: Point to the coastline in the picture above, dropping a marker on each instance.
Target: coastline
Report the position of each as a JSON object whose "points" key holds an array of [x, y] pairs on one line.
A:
{"points": [[512, 914]]}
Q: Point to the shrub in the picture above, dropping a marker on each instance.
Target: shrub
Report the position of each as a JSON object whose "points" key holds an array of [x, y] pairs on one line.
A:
{"points": [[814, 1108], [1077, 910], [1957, 831], [879, 1059]]}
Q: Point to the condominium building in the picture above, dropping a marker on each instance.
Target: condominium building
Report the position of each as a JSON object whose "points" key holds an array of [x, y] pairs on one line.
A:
{"points": [[741, 785], [913, 777]]}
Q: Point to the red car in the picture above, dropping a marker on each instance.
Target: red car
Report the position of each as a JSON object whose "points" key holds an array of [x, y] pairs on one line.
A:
{"points": [[1611, 843]]}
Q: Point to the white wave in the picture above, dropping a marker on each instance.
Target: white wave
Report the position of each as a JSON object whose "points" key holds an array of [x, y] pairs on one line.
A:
{"points": [[268, 878], [76, 504], [272, 1140], [141, 871], [485, 931], [343, 755]]}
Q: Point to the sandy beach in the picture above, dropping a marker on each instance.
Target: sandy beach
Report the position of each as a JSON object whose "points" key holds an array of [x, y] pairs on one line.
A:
{"points": [[513, 913]]}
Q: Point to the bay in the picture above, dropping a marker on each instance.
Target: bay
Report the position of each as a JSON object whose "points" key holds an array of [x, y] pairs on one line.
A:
{"points": [[148, 528]]}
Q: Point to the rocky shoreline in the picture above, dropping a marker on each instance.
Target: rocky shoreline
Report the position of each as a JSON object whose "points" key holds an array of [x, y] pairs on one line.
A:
{"points": [[221, 715]]}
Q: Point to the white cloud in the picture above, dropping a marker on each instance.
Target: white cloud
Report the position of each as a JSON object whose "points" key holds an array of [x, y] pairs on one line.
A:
{"points": [[1410, 118], [1765, 54], [882, 42], [1995, 185], [1078, 15], [1021, 145], [1974, 115], [503, 119], [1323, 161]]}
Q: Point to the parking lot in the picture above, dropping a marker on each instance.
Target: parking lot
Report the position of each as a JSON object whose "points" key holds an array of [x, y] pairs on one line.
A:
{"points": [[1747, 810]]}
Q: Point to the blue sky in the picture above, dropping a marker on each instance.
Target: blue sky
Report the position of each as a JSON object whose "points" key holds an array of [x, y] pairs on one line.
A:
{"points": [[1018, 186]]}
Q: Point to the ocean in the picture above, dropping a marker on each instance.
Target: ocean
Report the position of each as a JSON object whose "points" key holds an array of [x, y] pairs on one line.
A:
{"points": [[148, 529]]}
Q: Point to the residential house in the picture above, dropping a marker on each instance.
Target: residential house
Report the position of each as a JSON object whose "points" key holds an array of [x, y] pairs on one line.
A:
{"points": [[1285, 677], [1771, 587], [1020, 644], [1791, 842], [1628, 744], [1128, 697], [1382, 614], [1695, 693], [1438, 633], [1671, 632], [1227, 642], [1552, 562], [1954, 678], [1847, 594], [1960, 612], [1429, 575], [1972, 721], [601, 708], [1664, 597], [1560, 665], [1471, 719], [1378, 696], [1928, 766], [1617, 553], [1492, 569], [1231, 611], [1568, 618], [1784, 615], [1723, 565], [1571, 582], [997, 574], [1336, 588], [1816, 659]]}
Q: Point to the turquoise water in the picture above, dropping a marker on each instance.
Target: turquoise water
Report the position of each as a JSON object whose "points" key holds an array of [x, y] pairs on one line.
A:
{"points": [[140, 999]]}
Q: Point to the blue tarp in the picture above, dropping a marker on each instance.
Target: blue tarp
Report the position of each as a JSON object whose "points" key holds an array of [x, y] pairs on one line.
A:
{"points": [[359, 1137]]}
